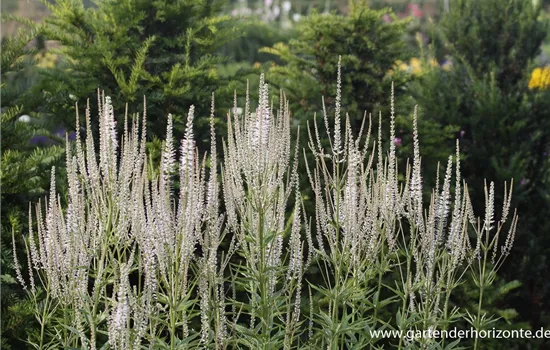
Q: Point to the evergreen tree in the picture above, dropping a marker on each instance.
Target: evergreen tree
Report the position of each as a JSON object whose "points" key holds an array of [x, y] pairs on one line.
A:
{"points": [[164, 50], [24, 176], [501, 37], [369, 48]]}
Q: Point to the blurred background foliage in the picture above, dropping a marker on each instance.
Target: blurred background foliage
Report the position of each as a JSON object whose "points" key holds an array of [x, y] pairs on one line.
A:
{"points": [[478, 71], [28, 153]]}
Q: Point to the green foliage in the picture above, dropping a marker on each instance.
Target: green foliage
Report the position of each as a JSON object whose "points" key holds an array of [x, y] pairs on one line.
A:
{"points": [[257, 34], [24, 174], [495, 36], [495, 304], [369, 48], [164, 50], [504, 126]]}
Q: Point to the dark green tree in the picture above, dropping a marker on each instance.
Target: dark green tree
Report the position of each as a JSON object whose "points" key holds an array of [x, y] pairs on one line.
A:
{"points": [[501, 37], [369, 48], [164, 50], [503, 127]]}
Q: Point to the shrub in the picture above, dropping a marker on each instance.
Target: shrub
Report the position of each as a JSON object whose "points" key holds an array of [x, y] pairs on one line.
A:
{"points": [[131, 262], [495, 36], [499, 109], [369, 47]]}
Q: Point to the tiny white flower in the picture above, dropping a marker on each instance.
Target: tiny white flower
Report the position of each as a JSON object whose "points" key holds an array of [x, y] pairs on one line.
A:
{"points": [[24, 118]]}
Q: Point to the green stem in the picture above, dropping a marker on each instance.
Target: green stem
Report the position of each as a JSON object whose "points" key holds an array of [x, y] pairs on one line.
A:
{"points": [[445, 315], [481, 288], [43, 320], [173, 320], [334, 311], [265, 312], [406, 294]]}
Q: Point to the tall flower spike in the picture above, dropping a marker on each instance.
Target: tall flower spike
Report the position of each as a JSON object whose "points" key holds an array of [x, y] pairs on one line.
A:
{"points": [[91, 160], [416, 181], [391, 192], [168, 153], [188, 145], [337, 127], [507, 202], [457, 184], [325, 120], [16, 265], [507, 247], [212, 195], [35, 256], [489, 208], [380, 161], [247, 101], [143, 130], [456, 222], [367, 141], [265, 113], [78, 142], [108, 139], [444, 199]]}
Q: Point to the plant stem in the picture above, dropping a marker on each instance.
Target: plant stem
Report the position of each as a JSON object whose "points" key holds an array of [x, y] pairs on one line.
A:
{"points": [[43, 320], [481, 287], [172, 323]]}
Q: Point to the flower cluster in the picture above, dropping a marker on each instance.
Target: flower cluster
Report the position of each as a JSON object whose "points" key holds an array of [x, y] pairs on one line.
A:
{"points": [[416, 66], [540, 78]]}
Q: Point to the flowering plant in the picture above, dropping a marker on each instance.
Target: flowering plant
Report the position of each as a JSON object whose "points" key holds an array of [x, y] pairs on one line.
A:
{"points": [[139, 260], [540, 78], [416, 66]]}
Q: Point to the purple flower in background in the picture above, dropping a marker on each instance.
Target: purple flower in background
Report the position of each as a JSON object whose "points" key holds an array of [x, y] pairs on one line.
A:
{"points": [[60, 132], [386, 18], [40, 140], [522, 181], [397, 141], [45, 140], [268, 3], [462, 133]]}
